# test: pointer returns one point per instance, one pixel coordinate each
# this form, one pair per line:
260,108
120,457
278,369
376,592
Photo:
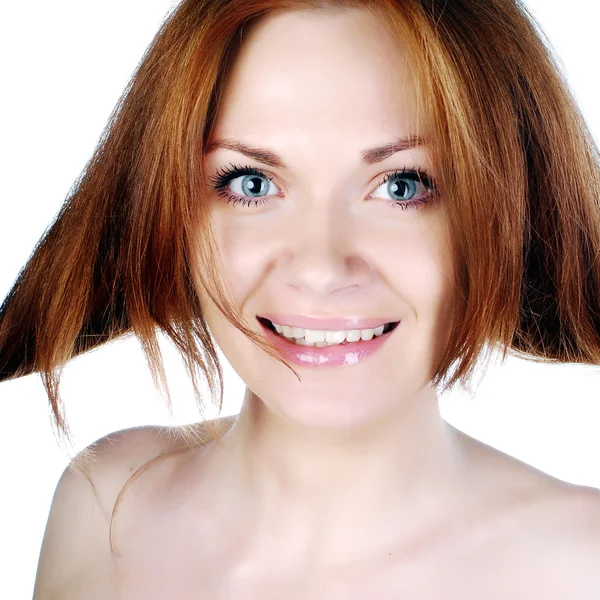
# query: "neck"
333,495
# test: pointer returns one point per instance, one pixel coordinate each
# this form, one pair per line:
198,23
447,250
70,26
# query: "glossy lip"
329,324
331,356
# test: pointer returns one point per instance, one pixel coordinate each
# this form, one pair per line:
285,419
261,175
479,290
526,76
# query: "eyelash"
227,174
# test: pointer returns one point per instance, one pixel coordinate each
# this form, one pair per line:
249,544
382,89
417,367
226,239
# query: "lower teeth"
301,342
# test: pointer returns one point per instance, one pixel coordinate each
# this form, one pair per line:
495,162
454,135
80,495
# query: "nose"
323,255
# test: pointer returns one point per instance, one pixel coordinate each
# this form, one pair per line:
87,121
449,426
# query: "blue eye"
252,181
407,188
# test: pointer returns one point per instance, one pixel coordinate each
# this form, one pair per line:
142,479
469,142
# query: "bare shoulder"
113,459
545,529
558,538
571,519
75,557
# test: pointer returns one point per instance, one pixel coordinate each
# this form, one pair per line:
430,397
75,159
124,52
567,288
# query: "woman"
351,200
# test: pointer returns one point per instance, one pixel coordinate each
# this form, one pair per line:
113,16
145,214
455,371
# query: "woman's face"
316,231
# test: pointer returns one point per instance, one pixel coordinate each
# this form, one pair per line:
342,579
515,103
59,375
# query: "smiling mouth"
324,338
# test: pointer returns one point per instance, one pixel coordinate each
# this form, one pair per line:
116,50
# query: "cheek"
412,256
242,253
416,263
418,266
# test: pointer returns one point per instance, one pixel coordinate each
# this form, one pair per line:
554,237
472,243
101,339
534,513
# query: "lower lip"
330,356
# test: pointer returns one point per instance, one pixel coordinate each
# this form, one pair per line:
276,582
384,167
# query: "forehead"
318,75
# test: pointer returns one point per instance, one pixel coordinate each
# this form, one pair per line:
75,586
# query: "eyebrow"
268,157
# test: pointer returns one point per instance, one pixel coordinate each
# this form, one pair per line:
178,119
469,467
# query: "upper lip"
327,323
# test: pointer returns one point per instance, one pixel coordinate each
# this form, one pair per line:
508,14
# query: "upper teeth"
312,336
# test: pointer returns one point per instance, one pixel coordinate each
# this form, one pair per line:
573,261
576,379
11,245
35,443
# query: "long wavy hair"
517,166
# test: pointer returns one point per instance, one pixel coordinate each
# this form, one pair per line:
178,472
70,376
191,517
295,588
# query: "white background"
63,66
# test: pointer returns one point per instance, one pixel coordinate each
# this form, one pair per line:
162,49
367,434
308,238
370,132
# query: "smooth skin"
347,484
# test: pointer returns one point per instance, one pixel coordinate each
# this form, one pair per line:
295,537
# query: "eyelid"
229,172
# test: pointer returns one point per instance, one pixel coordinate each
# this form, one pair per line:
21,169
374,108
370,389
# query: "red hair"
517,166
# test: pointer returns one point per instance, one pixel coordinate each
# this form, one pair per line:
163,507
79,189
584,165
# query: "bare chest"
499,573
528,553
